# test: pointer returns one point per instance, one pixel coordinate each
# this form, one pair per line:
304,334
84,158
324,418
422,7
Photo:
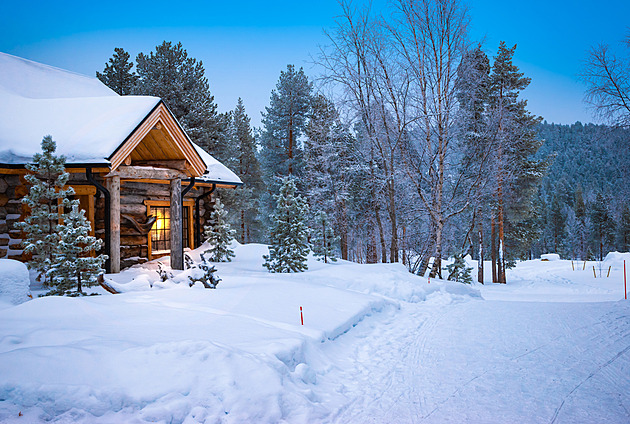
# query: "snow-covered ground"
377,345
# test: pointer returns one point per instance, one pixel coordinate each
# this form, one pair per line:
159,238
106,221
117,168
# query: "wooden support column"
177,251
113,186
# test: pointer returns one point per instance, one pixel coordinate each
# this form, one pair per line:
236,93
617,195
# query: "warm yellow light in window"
160,223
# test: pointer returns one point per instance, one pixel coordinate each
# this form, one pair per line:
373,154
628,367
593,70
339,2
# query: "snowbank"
550,257
14,283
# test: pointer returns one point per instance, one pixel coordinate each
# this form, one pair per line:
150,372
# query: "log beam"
177,251
113,186
146,173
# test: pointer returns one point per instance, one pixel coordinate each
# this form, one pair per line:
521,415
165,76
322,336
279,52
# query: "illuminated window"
161,231
160,234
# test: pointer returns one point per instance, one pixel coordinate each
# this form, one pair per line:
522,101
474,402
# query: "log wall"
133,246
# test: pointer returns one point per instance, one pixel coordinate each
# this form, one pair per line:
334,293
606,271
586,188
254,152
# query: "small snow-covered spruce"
163,272
73,267
219,235
289,236
458,271
204,274
45,198
324,239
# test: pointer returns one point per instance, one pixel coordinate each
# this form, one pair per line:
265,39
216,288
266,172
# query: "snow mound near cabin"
14,282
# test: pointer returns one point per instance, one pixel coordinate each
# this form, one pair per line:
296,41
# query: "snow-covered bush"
219,235
163,272
204,273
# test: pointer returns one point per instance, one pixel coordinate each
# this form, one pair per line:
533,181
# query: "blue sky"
245,45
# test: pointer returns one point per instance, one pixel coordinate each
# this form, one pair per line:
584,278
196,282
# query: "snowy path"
544,363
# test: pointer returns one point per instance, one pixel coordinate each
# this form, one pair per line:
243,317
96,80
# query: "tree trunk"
493,250
343,231
480,259
371,255
381,236
501,261
113,186
243,226
436,269
177,251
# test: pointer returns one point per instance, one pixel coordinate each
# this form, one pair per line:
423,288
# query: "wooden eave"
158,137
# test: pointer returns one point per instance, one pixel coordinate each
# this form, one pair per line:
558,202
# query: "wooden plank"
83,190
153,146
113,185
179,164
177,251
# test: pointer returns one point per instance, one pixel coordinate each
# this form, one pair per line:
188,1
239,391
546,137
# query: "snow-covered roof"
87,120
216,172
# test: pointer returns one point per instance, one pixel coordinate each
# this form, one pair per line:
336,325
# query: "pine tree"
45,198
180,81
73,267
516,170
117,74
324,240
219,235
284,122
289,236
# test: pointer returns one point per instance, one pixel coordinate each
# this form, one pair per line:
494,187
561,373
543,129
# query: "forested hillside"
584,196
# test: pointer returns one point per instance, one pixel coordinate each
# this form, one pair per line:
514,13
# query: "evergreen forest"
413,142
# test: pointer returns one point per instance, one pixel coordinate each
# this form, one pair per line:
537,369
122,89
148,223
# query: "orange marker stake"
625,290
301,316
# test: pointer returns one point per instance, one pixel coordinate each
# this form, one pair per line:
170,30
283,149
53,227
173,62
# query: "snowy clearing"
377,345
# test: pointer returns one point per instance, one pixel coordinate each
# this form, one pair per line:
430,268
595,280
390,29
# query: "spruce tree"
284,122
289,236
180,81
73,267
117,74
219,235
324,241
46,196
458,271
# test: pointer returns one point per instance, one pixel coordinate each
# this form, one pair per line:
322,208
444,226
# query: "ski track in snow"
571,365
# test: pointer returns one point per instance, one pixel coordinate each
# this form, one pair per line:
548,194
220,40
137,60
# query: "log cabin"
145,186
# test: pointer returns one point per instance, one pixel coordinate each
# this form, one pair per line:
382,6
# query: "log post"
113,186
177,251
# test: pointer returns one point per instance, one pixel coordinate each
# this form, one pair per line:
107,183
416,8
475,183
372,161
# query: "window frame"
187,208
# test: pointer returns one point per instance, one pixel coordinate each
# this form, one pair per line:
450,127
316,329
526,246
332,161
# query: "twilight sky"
244,45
